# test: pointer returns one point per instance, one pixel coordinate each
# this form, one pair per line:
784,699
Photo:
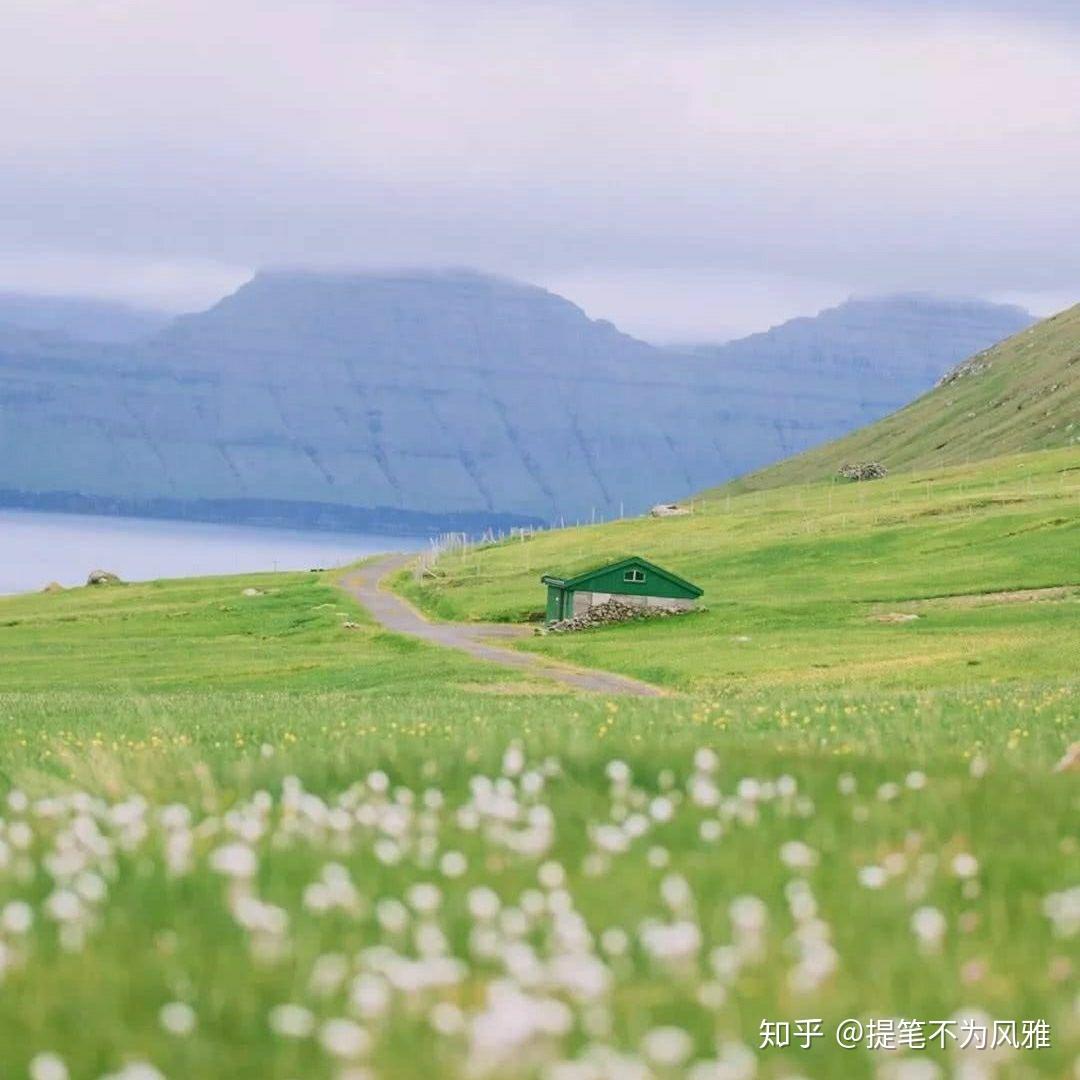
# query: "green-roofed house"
634,580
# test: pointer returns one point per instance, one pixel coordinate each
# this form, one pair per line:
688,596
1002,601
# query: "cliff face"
453,397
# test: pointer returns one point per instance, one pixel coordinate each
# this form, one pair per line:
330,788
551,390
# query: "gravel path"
393,612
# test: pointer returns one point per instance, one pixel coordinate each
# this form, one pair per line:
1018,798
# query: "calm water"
38,548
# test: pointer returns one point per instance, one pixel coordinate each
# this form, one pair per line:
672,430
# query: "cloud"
805,151
180,285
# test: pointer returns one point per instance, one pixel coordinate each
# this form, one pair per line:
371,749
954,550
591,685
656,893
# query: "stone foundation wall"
585,600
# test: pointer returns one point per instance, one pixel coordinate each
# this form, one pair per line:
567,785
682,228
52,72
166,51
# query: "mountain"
426,400
1022,394
813,379
100,321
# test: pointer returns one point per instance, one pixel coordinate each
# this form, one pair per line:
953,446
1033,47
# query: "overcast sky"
688,169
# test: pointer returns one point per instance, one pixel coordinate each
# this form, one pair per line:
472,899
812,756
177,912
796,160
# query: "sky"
691,170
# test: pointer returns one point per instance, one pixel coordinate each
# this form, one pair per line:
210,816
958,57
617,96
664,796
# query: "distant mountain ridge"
421,400
817,377
83,319
1021,395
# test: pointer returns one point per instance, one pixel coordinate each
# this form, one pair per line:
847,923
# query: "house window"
635,576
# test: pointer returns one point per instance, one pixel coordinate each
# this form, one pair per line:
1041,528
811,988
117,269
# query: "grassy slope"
204,634
1021,395
795,577
191,695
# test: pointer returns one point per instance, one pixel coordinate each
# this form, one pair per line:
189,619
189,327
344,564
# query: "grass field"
242,840
800,583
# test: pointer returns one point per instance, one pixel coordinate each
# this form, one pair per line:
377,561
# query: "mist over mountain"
425,400
102,321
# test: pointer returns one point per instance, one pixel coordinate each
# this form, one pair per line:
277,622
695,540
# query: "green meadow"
809,586
246,833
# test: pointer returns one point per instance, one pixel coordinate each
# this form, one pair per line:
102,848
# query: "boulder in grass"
102,577
53,587
862,470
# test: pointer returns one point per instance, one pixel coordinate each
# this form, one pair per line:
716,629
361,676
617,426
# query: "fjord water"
36,548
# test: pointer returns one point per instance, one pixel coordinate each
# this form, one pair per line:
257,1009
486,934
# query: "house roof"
633,560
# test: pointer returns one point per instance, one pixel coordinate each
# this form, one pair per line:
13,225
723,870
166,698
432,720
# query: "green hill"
1021,395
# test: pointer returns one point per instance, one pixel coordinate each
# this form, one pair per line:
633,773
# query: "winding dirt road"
367,585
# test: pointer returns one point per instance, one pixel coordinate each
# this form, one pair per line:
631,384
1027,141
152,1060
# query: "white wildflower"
20,835
513,760
706,760
91,887
965,865
344,1038
177,1018
174,816
711,995
447,1019
17,917
675,891
551,875
658,857
369,995
618,772
710,830
797,855
483,903
929,926
387,851
667,1047
63,905
291,1021
392,915
48,1066
234,860
614,941
1063,911
453,864
328,974
671,942
424,898
748,914
872,877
